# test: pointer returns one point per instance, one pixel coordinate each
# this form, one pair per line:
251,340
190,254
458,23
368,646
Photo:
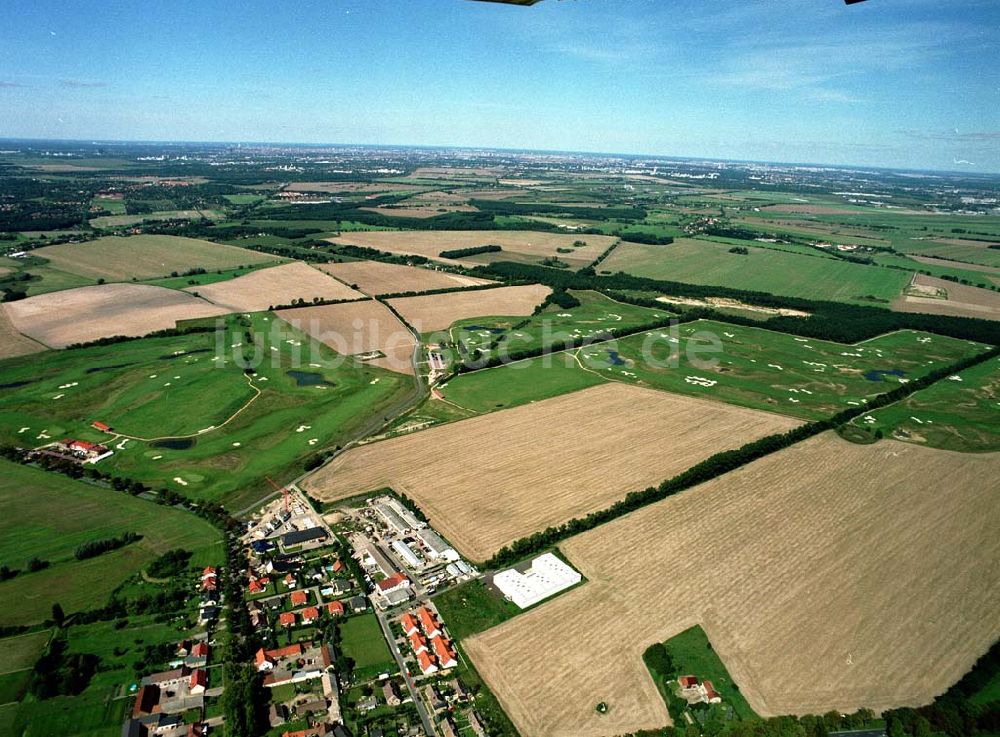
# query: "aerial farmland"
533,448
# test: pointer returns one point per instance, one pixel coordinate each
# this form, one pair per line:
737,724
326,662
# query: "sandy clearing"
376,277
963,301
279,285
439,311
356,328
816,572
58,319
489,480
12,343
146,256
524,244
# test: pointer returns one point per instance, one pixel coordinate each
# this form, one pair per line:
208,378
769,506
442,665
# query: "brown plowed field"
517,245
963,300
439,311
80,315
12,343
376,277
489,480
827,576
279,285
356,328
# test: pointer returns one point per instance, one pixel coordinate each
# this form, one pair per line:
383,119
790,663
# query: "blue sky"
905,83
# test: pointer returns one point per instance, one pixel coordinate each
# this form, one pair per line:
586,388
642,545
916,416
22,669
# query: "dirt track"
828,576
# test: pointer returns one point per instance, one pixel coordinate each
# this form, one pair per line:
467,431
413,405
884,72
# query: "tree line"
718,465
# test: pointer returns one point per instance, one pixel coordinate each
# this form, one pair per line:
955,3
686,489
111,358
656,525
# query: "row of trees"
842,323
471,251
93,548
717,465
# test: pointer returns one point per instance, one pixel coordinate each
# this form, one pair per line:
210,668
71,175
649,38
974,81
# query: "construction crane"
282,489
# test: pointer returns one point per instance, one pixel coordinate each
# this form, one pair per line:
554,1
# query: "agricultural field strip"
795,566
439,311
376,277
103,311
278,285
146,257
519,471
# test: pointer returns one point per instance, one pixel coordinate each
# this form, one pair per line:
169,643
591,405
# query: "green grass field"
962,415
763,270
492,336
146,257
362,641
210,277
755,367
472,608
17,656
100,710
47,515
692,654
166,387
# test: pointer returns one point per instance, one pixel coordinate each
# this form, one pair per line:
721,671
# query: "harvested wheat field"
146,257
517,245
79,315
962,301
376,277
12,343
357,328
827,576
279,285
489,480
439,311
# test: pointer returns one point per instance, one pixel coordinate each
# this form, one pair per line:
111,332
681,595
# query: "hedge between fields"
717,465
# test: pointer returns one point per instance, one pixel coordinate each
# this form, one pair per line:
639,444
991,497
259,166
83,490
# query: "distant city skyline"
909,84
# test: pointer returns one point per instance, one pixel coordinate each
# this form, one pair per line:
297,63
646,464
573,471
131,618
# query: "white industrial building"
406,554
547,576
437,548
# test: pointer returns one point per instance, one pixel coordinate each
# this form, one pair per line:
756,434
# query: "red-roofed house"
299,598
711,695
265,659
395,582
429,622
335,608
290,580
198,682
426,663
257,585
409,623
309,615
147,701
200,650
688,681
445,655
418,643
287,619
98,425
338,566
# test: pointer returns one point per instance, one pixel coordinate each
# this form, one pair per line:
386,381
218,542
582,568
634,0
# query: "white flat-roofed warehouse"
546,576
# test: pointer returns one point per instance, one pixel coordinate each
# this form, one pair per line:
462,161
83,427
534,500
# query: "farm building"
406,554
84,450
546,576
297,537
437,548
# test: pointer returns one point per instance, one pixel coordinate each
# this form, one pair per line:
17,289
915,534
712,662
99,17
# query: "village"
351,643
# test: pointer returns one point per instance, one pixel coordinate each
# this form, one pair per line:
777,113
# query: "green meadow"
763,270
959,413
235,429
46,515
751,367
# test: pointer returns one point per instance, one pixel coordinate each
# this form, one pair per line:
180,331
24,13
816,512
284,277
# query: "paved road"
410,686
